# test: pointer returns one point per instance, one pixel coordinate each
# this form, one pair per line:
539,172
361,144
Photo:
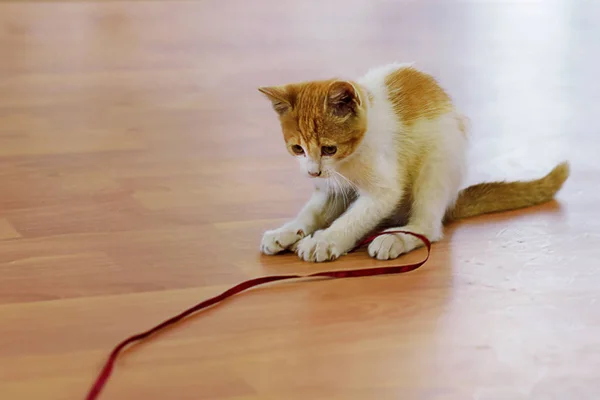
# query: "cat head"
323,122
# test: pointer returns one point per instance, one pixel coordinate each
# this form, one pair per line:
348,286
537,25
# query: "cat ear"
343,98
279,96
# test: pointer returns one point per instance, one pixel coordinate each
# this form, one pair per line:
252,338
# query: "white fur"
386,151
435,188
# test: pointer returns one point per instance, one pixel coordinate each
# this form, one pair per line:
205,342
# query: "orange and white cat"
384,151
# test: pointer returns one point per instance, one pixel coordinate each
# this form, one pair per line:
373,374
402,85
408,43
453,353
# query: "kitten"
385,151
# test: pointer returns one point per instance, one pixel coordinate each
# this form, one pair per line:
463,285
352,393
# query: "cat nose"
314,174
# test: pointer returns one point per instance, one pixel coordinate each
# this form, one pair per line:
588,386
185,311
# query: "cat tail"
493,197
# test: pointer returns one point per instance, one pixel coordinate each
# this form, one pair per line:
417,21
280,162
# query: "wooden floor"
139,167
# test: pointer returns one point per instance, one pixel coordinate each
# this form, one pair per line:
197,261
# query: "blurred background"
139,167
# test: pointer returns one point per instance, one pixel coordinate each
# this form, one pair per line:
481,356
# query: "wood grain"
139,167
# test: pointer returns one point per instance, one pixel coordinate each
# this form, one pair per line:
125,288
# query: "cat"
387,150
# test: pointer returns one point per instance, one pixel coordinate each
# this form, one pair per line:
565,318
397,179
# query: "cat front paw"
278,240
319,247
388,247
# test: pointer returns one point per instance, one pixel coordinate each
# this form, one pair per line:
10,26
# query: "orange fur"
491,197
416,95
307,120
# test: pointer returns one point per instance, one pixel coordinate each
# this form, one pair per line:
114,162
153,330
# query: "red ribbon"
354,273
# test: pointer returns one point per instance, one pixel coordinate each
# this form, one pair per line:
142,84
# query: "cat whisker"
342,189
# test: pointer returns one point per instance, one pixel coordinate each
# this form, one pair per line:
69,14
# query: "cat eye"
297,149
328,150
